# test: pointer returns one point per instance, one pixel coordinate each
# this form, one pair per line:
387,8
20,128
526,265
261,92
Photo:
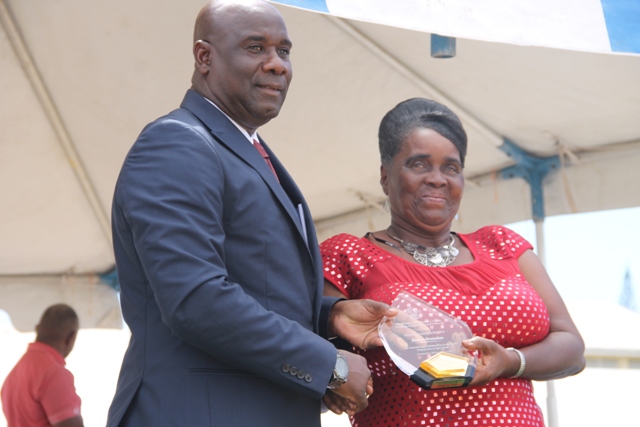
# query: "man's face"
250,70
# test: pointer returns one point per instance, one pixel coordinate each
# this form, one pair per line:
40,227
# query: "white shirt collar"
240,128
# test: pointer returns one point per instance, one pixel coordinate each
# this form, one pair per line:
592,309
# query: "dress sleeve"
501,242
337,253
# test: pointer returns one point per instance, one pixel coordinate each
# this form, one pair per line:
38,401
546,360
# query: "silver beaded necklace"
431,257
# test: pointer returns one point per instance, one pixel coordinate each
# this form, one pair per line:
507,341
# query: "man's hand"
357,321
403,332
352,396
339,404
70,422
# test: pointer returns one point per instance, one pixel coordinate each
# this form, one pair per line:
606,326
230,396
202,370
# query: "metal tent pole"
534,169
55,118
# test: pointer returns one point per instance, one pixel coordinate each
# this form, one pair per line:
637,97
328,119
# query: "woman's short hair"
418,113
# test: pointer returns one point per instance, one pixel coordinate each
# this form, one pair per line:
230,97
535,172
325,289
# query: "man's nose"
276,64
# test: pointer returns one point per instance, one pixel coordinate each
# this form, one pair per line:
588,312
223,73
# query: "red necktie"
265,156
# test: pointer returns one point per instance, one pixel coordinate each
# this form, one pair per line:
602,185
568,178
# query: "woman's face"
424,183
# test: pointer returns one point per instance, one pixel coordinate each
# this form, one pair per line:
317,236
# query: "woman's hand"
493,360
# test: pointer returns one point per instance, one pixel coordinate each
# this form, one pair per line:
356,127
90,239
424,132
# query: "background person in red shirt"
39,391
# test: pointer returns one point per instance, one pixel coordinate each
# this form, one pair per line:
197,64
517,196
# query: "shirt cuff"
325,310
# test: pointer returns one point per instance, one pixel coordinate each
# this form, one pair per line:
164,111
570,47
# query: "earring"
386,205
455,218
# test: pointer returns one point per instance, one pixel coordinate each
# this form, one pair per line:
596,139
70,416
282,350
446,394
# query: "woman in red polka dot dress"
491,279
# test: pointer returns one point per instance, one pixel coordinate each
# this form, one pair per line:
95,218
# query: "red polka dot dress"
490,294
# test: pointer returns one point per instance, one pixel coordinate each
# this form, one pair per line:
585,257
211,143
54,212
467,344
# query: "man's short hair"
57,321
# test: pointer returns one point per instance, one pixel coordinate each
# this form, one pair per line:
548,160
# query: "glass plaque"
426,344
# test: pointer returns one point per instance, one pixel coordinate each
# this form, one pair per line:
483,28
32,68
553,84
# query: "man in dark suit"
217,255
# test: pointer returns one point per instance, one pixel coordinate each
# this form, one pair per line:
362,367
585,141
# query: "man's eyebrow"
257,38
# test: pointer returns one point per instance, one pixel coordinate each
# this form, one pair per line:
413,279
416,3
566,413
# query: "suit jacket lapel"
227,134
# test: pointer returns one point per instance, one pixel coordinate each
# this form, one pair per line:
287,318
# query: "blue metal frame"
533,169
110,278
443,47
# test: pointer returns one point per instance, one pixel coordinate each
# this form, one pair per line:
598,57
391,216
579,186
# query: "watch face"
342,368
340,373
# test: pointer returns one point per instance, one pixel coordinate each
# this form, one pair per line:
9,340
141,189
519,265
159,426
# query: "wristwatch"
340,373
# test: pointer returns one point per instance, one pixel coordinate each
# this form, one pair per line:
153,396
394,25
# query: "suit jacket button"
293,370
301,374
308,378
286,367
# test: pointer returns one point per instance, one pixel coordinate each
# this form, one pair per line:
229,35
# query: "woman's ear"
383,179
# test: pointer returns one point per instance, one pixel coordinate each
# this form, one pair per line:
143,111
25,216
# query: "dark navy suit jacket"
221,291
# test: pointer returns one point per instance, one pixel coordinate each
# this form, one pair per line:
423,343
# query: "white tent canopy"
79,80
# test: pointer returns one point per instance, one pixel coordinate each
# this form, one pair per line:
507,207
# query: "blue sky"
588,254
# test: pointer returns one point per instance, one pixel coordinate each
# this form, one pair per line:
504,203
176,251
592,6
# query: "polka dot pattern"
490,294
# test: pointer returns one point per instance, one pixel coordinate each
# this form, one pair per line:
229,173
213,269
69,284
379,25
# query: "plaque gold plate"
444,365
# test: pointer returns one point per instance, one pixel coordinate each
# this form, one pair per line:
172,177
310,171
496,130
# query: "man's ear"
202,56
384,177
70,339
